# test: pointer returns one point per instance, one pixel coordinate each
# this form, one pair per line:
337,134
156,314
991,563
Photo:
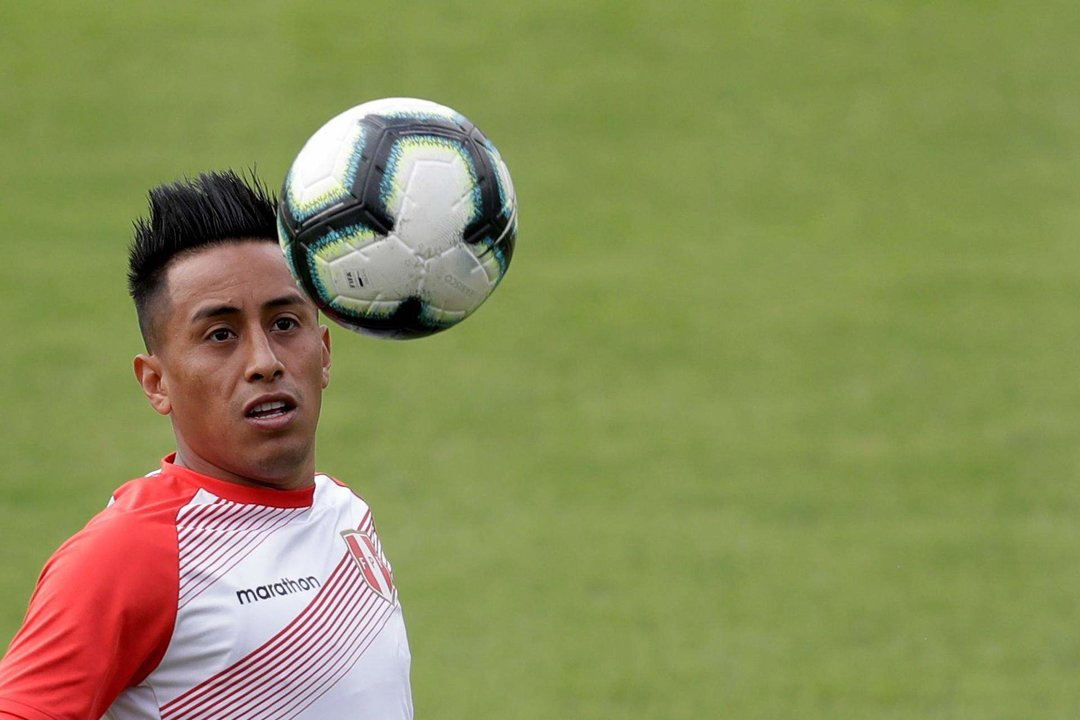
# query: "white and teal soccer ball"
398,218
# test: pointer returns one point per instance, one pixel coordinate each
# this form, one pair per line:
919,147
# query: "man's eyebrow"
211,312
214,311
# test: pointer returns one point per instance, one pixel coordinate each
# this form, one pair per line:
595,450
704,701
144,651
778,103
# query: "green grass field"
777,414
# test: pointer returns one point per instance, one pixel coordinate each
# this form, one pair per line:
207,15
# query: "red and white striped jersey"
192,598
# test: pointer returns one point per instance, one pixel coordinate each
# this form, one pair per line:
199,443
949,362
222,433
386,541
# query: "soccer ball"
398,218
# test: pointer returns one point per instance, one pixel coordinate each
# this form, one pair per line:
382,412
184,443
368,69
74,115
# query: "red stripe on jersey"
347,637
214,541
302,661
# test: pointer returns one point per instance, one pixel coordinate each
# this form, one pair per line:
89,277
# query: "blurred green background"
776,414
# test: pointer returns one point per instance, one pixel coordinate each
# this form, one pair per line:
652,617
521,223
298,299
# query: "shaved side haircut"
212,209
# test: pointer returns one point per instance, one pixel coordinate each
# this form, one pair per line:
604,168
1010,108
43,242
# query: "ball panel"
438,319
409,319
433,174
313,259
434,195
494,263
325,170
507,198
285,240
408,108
456,281
386,269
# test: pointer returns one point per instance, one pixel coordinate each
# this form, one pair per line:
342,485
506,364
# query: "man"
234,582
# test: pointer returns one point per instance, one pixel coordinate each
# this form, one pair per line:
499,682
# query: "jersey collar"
235,492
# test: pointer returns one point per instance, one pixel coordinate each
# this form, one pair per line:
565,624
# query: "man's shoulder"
151,499
126,554
332,491
138,524
151,490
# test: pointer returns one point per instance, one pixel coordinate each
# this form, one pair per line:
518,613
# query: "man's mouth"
268,410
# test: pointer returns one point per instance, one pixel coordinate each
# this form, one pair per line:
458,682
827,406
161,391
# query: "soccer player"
235,581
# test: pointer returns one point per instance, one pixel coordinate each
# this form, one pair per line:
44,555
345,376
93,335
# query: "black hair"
212,209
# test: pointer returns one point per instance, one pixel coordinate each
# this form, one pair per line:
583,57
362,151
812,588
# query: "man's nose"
263,362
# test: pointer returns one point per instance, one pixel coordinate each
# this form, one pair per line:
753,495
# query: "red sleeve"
99,621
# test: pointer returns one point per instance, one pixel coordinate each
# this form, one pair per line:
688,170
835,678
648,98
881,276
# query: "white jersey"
198,599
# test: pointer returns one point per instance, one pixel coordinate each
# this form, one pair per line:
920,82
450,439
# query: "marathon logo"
284,586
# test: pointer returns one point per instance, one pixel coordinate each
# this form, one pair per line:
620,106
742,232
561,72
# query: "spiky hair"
213,208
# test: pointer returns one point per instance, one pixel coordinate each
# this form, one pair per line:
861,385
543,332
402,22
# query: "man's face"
239,365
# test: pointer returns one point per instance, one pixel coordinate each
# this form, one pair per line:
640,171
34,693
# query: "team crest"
375,571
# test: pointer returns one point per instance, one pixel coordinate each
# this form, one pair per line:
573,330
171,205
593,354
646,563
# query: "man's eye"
285,324
220,335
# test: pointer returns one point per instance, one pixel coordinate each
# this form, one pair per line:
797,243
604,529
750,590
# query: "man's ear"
148,373
325,355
